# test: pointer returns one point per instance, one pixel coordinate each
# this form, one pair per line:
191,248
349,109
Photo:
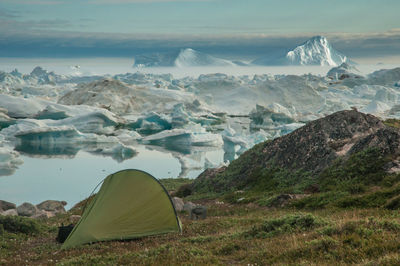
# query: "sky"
363,28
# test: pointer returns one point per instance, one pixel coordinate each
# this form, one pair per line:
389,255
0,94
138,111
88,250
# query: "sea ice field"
66,124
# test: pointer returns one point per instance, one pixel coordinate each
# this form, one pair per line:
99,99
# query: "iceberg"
183,139
184,58
192,58
344,71
315,51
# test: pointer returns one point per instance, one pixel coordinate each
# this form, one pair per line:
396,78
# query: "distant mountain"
184,58
315,51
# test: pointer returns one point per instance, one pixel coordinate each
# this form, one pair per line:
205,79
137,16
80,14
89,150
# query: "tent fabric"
130,204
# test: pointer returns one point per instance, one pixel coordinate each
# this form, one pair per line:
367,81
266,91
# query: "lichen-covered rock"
27,209
74,219
5,205
189,206
10,212
41,214
178,203
52,206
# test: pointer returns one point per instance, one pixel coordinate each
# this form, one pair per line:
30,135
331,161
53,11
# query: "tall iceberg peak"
315,51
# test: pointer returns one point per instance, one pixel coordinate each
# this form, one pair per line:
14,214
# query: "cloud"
8,14
45,38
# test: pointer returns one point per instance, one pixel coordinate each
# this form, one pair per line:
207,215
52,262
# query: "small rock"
178,203
10,212
188,206
52,206
74,219
5,205
199,212
282,200
27,209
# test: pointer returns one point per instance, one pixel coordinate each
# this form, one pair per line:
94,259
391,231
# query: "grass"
232,234
172,184
358,181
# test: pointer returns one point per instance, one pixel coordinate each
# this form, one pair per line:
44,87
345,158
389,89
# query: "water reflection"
70,173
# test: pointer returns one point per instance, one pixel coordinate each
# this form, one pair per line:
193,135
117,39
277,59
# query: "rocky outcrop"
44,210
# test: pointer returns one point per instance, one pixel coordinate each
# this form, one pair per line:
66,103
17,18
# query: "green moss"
392,123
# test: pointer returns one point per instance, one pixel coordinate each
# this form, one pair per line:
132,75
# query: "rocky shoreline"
45,209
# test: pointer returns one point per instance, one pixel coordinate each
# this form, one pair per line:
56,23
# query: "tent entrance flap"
130,204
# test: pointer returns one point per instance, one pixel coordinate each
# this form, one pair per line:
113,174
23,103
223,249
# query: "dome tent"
130,204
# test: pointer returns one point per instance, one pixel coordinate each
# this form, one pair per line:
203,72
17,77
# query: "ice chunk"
99,122
118,152
49,141
183,139
376,107
267,117
384,76
151,123
344,71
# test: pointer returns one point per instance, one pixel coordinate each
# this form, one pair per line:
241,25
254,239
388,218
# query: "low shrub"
17,224
286,224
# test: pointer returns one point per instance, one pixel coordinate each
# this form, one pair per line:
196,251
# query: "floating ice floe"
178,139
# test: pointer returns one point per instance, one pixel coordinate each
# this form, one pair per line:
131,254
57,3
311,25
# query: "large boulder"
5,205
52,206
178,203
27,209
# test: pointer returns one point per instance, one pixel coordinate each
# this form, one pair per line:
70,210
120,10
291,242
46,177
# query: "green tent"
129,204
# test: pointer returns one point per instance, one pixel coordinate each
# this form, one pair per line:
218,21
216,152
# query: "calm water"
73,179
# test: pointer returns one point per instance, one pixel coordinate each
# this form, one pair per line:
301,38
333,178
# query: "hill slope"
309,153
